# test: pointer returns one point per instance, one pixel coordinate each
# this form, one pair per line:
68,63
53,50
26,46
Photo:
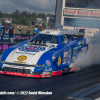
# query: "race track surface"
61,87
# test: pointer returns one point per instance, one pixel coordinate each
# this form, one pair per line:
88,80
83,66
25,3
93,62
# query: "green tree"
33,15
50,15
41,15
24,13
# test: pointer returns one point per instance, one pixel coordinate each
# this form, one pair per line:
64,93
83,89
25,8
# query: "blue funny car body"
49,53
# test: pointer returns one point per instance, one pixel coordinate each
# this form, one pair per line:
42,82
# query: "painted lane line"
98,98
81,94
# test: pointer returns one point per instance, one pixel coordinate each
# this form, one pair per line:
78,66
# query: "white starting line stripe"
98,98
81,94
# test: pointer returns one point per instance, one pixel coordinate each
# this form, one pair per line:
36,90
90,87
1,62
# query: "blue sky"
38,6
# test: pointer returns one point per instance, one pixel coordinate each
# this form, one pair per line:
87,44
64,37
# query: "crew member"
36,30
11,31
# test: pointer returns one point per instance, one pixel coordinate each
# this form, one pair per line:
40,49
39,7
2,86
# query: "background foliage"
24,17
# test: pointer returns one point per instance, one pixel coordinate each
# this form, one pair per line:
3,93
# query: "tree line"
24,17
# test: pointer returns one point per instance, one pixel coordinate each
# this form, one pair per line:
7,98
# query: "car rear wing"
78,35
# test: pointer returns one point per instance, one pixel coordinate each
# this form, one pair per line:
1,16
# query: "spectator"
1,31
28,30
3,27
19,29
36,30
11,31
33,22
7,27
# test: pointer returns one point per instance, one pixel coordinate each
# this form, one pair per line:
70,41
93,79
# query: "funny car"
49,53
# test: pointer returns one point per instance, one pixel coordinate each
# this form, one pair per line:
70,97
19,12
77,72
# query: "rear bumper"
25,74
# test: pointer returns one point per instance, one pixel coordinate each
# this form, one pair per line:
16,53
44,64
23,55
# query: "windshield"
44,38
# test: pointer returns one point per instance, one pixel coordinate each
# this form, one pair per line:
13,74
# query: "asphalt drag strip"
73,86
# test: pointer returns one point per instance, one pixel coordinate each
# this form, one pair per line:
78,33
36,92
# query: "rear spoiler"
80,34
74,36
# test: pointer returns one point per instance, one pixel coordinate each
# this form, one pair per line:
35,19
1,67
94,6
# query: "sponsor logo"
69,56
22,58
48,75
43,75
79,43
46,67
31,48
79,12
75,52
82,42
46,70
50,69
59,60
64,61
19,62
53,57
95,13
65,54
68,11
25,53
48,63
86,12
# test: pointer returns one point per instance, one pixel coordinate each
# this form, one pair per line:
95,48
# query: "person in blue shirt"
36,30
1,31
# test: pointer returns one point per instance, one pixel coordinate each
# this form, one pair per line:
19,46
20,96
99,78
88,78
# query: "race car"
49,53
